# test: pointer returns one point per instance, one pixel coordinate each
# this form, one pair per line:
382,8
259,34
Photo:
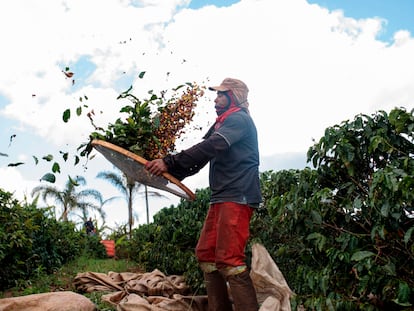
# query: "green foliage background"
32,242
168,243
340,232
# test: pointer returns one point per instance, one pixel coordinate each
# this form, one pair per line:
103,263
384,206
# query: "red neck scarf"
232,109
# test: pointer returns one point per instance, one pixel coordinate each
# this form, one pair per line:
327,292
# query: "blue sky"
308,65
197,4
398,13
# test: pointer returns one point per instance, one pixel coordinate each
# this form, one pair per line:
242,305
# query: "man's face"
221,103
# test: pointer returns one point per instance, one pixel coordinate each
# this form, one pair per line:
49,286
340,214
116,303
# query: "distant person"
90,228
231,148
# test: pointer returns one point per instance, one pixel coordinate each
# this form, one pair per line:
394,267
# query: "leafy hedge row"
168,243
342,233
33,243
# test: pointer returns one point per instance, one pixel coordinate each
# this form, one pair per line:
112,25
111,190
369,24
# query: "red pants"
224,235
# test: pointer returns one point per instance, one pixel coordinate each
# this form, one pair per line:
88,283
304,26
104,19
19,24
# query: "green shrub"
342,233
93,247
32,242
168,243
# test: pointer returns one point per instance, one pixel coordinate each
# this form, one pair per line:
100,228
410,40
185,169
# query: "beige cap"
239,89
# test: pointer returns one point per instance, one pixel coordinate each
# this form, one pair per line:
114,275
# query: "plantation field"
62,279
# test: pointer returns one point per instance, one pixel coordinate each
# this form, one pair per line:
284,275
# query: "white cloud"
307,68
16,183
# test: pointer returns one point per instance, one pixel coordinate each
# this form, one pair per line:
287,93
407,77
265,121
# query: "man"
231,148
90,228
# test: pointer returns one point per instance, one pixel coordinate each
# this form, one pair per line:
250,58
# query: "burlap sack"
56,301
273,292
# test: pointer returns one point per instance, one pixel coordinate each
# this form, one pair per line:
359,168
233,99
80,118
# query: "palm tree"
70,199
129,188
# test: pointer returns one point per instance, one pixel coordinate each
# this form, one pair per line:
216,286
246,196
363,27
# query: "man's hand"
156,167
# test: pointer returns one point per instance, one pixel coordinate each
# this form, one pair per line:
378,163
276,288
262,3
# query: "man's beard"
221,110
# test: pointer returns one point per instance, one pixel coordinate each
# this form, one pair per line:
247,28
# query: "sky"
308,64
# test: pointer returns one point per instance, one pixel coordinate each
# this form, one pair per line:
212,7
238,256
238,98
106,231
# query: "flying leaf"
73,181
49,177
79,111
4,154
66,115
178,87
141,74
64,155
48,158
35,159
11,139
15,164
56,168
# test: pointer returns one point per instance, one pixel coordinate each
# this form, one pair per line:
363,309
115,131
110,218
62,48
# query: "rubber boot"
243,292
218,298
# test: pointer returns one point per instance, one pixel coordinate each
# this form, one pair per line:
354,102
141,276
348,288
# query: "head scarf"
233,107
238,88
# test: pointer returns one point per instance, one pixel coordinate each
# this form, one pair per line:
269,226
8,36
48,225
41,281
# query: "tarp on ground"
157,291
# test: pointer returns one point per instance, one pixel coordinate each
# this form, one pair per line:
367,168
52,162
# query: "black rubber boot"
218,298
243,292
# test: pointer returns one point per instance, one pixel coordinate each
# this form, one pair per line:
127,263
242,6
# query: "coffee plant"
341,233
34,243
151,126
168,243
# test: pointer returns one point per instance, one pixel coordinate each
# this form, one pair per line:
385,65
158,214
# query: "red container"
110,247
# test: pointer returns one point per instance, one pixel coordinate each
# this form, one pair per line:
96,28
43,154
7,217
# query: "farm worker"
231,147
90,228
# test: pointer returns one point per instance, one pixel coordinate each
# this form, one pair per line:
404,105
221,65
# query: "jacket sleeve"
190,161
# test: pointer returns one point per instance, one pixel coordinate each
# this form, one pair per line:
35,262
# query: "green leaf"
141,74
66,115
360,255
15,164
36,160
178,87
56,168
319,240
73,181
407,235
390,269
385,209
156,122
64,155
378,230
79,111
49,177
48,158
404,292
316,217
